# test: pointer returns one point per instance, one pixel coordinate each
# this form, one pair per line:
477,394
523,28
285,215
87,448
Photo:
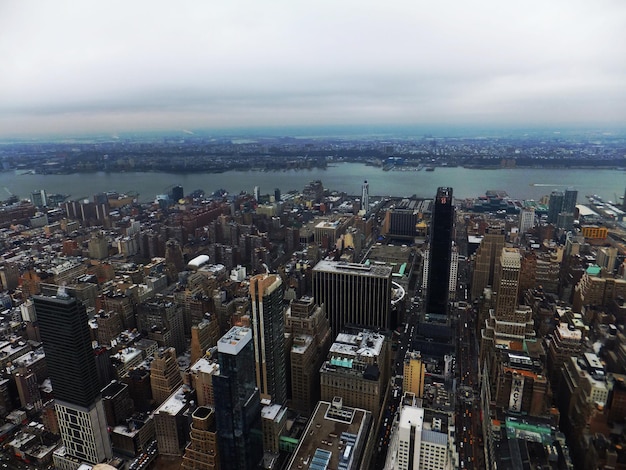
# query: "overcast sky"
109,66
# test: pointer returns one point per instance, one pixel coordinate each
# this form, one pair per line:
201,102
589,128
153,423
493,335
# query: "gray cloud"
110,66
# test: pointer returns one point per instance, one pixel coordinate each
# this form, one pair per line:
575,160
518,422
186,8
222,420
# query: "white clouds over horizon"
70,67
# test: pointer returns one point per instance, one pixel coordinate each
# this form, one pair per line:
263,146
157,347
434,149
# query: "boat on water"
430,168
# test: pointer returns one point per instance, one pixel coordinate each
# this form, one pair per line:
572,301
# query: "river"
518,183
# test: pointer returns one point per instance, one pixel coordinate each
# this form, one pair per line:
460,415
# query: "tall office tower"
257,193
237,401
307,324
268,325
526,219
365,196
72,369
414,374
507,281
441,232
488,252
555,205
202,452
165,375
353,294
177,193
569,201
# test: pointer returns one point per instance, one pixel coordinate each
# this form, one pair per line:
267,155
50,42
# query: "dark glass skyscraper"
237,401
569,201
555,206
71,365
440,252
67,344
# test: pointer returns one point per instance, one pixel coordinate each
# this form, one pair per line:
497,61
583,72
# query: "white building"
527,219
429,444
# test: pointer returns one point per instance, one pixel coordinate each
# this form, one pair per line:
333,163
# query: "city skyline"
117,67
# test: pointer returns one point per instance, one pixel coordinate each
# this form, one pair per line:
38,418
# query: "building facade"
71,365
268,325
353,293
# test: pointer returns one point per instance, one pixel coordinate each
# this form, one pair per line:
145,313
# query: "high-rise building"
268,325
365,196
507,282
72,369
177,193
414,374
307,324
569,201
419,446
441,235
488,252
357,369
555,205
440,247
526,219
237,401
509,322
39,198
353,293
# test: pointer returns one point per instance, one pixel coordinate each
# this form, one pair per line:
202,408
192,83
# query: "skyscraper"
237,401
268,324
527,219
365,196
72,369
555,205
569,201
353,293
440,252
484,266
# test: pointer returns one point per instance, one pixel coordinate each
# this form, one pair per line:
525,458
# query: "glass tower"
440,252
237,401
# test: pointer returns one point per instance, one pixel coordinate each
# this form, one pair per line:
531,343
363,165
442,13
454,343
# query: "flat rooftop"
338,434
342,267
